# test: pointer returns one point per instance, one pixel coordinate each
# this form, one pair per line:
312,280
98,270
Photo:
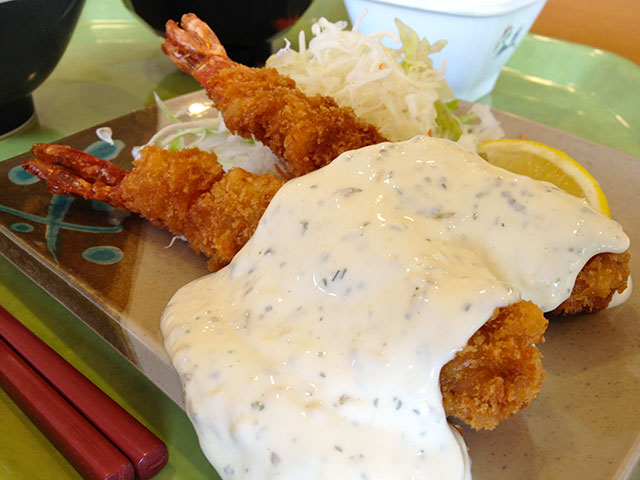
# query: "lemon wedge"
543,162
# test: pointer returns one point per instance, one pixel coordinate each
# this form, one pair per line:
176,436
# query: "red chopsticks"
85,447
74,414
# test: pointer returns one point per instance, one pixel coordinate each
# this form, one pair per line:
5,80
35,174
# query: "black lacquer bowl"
33,36
244,27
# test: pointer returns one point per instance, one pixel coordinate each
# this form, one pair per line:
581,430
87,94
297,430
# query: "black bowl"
33,36
243,27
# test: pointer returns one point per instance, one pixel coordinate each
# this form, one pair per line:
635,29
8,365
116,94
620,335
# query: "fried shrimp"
306,132
499,371
186,192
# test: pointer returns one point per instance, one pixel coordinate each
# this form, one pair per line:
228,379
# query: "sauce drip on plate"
317,352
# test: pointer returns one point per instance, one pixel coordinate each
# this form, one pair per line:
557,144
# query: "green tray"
586,92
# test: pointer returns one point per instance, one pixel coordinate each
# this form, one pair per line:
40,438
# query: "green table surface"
112,67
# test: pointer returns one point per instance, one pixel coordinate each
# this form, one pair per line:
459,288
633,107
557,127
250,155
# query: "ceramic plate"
116,272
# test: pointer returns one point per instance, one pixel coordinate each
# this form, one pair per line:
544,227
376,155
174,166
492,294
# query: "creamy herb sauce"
317,352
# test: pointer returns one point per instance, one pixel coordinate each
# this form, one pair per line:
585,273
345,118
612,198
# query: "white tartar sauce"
317,352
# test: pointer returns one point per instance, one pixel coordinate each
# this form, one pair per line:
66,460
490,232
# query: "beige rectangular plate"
584,424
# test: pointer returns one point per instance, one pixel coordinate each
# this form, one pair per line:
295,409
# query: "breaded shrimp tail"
186,192
305,132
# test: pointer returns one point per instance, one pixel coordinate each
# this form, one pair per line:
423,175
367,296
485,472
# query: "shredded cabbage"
398,90
211,134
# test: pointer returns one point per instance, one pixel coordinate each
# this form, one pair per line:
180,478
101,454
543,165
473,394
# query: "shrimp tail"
194,46
71,172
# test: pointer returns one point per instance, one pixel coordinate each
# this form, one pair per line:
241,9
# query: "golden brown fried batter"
601,277
237,203
188,193
163,185
500,370
307,132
